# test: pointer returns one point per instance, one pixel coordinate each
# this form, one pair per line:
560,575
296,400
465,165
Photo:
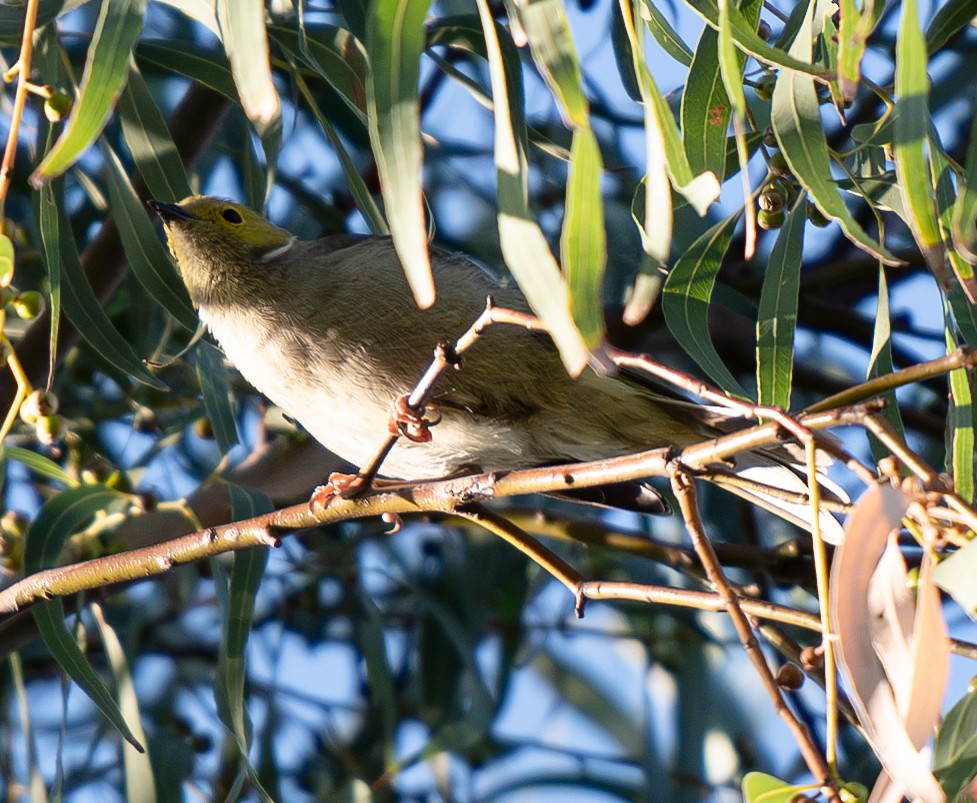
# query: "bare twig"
684,490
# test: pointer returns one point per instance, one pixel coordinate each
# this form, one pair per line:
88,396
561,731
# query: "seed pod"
56,107
39,403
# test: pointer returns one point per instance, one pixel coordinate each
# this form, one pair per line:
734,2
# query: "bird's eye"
231,215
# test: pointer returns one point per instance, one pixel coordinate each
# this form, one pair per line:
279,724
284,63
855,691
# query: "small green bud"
816,216
769,138
37,404
770,220
49,429
28,305
777,164
853,792
56,107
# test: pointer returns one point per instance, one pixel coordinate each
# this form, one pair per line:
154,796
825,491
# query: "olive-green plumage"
328,330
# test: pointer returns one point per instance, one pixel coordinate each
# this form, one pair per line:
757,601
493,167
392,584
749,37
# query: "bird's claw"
405,420
338,485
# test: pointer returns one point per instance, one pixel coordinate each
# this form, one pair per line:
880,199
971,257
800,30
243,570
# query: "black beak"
169,212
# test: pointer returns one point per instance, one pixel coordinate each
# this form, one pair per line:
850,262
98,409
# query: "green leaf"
395,39
955,746
700,190
777,316
686,295
140,785
12,17
880,363
912,122
148,139
60,518
524,247
48,218
336,56
217,395
145,253
795,116
188,61
242,26
6,260
116,32
85,312
960,433
39,464
583,245
665,34
952,17
236,606
758,787
744,36
551,44
854,29
706,109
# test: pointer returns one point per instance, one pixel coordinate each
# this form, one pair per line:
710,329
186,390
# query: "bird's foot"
338,485
406,421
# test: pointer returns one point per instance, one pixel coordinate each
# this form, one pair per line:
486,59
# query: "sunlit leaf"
583,246
524,247
912,121
242,26
106,67
664,33
795,116
395,40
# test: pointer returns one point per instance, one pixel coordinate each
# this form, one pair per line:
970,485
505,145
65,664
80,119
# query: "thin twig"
684,490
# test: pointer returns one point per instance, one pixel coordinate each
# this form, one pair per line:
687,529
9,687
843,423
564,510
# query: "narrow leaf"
548,30
395,39
665,34
746,39
706,109
777,318
686,296
37,463
85,312
145,253
116,31
139,782
48,218
60,518
912,121
149,141
796,121
242,25
524,247
952,17
217,396
583,245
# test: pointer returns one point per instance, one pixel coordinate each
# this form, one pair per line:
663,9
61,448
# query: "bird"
328,331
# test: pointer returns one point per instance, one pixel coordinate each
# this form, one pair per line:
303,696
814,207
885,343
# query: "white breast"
337,401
